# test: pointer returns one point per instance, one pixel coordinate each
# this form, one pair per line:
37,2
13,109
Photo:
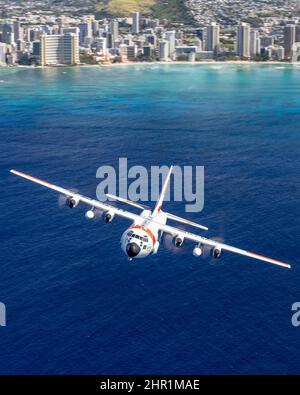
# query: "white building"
212,37
101,45
170,37
163,50
114,28
198,44
3,49
254,42
243,40
135,22
59,49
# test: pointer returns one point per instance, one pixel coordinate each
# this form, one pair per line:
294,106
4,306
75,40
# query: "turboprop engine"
178,241
72,201
108,216
216,252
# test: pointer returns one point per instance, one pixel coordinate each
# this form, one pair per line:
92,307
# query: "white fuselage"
142,238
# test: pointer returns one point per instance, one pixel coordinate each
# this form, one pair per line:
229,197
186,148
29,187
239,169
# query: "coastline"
158,63
203,63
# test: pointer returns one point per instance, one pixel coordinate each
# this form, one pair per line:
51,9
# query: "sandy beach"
213,62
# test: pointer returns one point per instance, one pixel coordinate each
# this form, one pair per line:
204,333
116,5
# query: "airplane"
144,235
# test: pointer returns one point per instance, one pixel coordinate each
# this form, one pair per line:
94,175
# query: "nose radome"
132,250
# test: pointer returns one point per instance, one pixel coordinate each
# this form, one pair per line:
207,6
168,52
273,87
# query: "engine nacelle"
197,251
216,252
108,216
178,241
72,201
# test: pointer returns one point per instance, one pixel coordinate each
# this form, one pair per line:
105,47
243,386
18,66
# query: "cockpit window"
142,238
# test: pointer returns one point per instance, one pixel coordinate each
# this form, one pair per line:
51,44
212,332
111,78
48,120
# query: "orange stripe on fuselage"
148,231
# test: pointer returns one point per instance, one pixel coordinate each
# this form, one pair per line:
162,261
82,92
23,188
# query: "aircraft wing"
91,202
212,243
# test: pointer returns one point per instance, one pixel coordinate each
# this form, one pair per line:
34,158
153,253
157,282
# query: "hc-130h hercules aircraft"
143,237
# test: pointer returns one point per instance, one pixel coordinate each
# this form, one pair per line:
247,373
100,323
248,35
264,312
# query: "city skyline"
67,40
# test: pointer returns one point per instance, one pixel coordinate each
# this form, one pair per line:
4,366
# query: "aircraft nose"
132,250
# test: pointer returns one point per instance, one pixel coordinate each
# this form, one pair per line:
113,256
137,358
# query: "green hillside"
124,7
173,10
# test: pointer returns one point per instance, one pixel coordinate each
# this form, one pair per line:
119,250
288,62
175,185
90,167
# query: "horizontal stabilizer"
184,221
123,200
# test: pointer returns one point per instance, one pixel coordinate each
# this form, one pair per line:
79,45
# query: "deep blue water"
74,303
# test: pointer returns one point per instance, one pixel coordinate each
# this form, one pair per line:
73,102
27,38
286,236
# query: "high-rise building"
36,49
297,33
85,32
18,30
123,51
3,51
278,53
212,37
109,40
267,41
147,51
151,39
20,45
59,49
198,43
254,42
135,22
170,37
163,50
289,40
101,44
34,34
95,27
8,36
243,40
114,28
131,52
128,40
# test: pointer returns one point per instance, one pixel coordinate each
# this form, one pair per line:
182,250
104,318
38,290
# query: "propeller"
62,199
212,260
168,243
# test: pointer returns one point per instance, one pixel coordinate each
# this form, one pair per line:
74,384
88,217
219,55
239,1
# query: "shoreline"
213,63
157,63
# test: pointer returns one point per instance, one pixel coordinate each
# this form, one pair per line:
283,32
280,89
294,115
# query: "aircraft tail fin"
163,193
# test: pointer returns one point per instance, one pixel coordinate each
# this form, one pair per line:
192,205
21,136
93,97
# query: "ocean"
74,303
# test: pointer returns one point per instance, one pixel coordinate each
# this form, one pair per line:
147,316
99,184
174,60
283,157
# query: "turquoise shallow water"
74,303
